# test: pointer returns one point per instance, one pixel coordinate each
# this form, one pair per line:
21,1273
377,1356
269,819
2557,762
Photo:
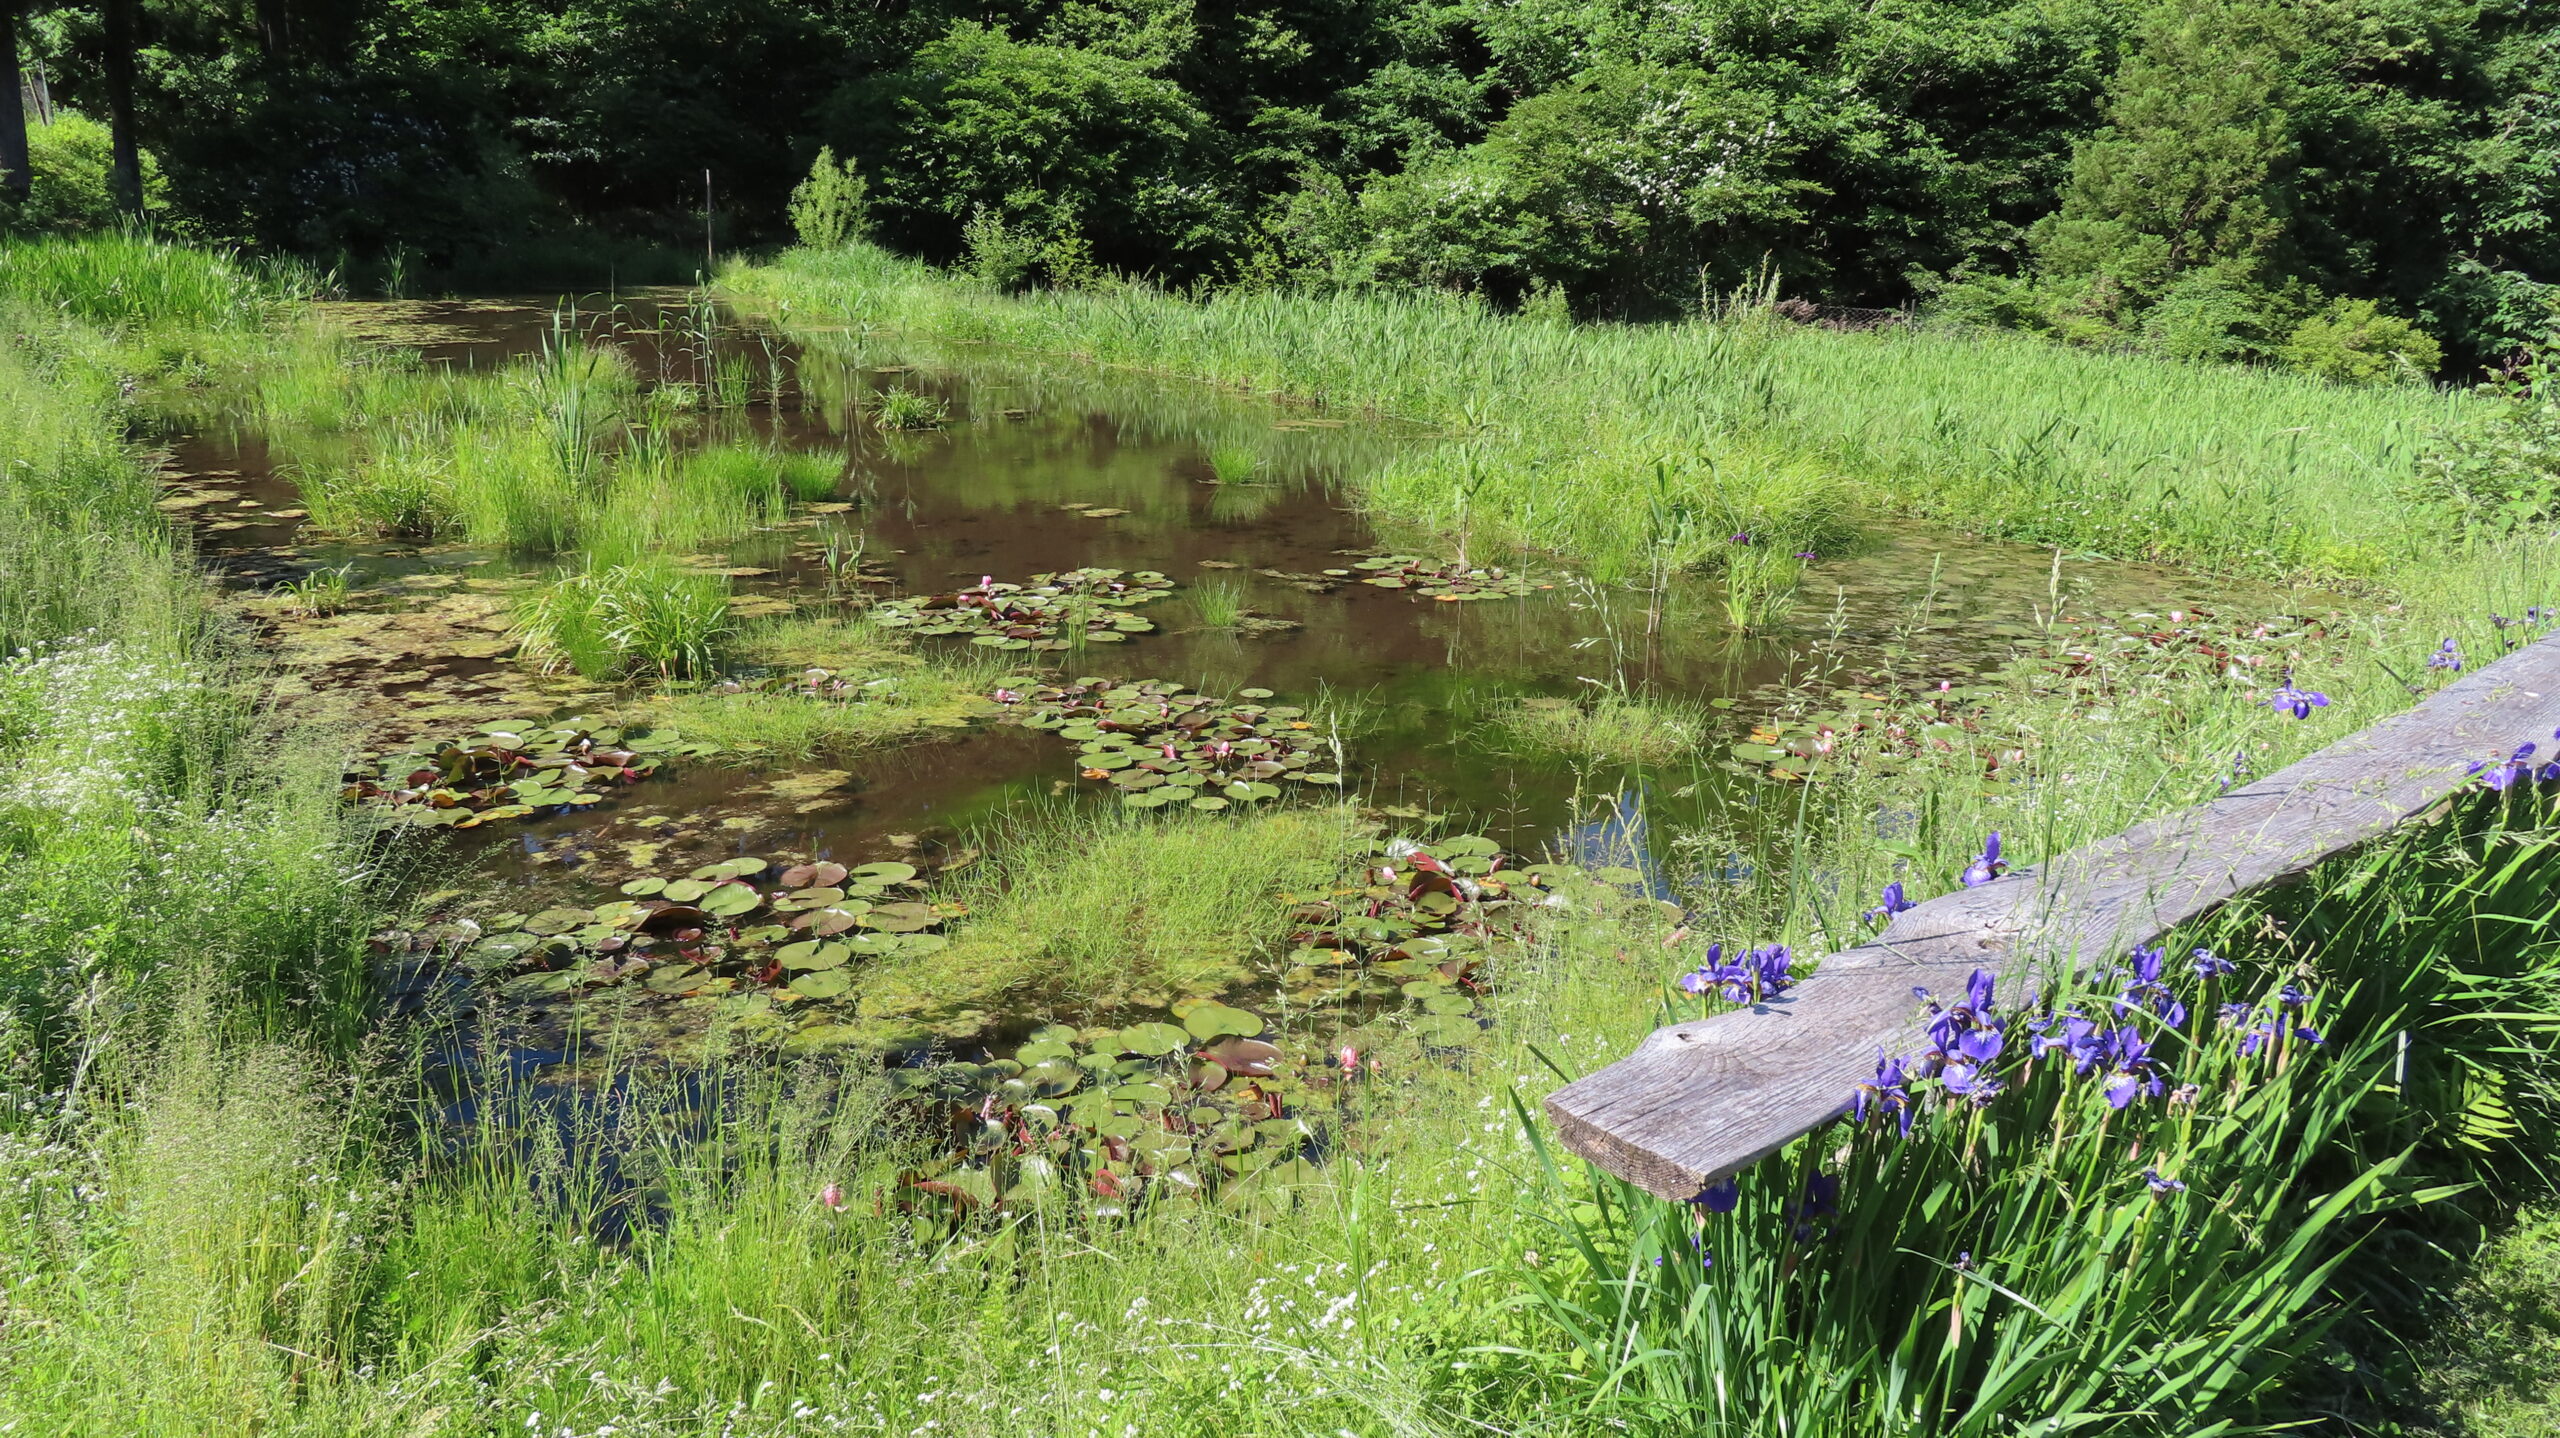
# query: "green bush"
68,193
2353,342
833,206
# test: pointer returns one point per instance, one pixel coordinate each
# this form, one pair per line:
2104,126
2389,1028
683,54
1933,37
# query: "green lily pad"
822,984
1214,1020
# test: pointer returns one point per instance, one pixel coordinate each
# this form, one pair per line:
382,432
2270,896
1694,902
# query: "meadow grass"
1551,432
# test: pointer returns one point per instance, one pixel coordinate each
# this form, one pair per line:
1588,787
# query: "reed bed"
1551,432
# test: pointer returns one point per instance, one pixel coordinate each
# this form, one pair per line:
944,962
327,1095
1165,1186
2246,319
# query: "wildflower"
2185,1095
2145,990
1986,866
1720,1197
2240,771
2448,657
1968,1071
1889,1089
1712,972
1349,1058
2161,1183
2209,965
2082,1043
2517,766
2136,1072
2300,701
1807,554
832,1196
1894,903
1772,970
1743,538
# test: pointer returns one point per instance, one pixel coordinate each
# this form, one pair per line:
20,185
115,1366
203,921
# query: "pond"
1042,466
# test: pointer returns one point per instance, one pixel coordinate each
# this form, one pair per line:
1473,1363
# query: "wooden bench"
1698,1100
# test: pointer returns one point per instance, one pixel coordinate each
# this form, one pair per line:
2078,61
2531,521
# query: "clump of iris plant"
1968,1057
2298,702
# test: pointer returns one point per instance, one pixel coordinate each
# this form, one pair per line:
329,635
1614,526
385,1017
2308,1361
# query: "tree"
124,170
16,179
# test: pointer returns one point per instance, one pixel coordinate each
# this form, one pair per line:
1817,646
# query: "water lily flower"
1986,866
1349,1058
1894,903
1721,1196
2299,701
2449,657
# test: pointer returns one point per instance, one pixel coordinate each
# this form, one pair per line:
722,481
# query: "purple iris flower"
2136,1072
2082,1043
2448,657
1773,968
2517,767
2144,989
1720,1197
2160,1184
2300,701
1890,1089
2292,997
1743,538
2208,965
1894,903
1703,977
1987,867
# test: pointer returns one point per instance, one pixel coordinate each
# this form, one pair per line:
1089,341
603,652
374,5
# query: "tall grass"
1771,428
612,621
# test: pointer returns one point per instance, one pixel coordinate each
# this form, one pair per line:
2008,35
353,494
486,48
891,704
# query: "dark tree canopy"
2205,178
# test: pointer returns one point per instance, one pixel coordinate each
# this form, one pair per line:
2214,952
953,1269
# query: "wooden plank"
1699,1100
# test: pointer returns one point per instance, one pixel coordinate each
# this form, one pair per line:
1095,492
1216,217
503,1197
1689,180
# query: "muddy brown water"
1048,465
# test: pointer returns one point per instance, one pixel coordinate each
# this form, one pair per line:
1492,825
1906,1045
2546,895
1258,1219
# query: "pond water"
1046,465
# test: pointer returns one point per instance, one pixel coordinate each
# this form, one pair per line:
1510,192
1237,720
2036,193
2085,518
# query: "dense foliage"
2362,188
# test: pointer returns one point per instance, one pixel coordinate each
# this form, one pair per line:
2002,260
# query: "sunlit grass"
1780,430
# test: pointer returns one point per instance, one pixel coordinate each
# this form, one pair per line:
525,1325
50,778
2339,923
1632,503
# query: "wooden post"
1697,1101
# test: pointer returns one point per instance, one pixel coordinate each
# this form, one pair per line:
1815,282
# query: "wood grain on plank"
1698,1100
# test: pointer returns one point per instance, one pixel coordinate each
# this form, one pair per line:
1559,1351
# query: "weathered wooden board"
1698,1100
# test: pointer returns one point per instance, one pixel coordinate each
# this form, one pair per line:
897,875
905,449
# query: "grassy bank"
1616,444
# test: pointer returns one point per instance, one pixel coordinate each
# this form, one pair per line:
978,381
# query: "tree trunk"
124,166
18,179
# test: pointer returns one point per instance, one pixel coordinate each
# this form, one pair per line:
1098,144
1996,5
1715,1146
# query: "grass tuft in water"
1616,728
642,617
902,408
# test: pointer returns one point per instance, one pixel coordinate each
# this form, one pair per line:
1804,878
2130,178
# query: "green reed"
1781,428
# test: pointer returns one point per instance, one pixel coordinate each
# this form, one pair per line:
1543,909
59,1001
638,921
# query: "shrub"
67,166
2353,342
832,207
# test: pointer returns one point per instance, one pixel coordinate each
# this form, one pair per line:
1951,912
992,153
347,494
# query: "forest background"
2362,188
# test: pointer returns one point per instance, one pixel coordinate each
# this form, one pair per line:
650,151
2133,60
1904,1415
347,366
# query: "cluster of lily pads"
1049,612
1446,579
1162,744
1198,1108
1419,922
718,929
510,770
